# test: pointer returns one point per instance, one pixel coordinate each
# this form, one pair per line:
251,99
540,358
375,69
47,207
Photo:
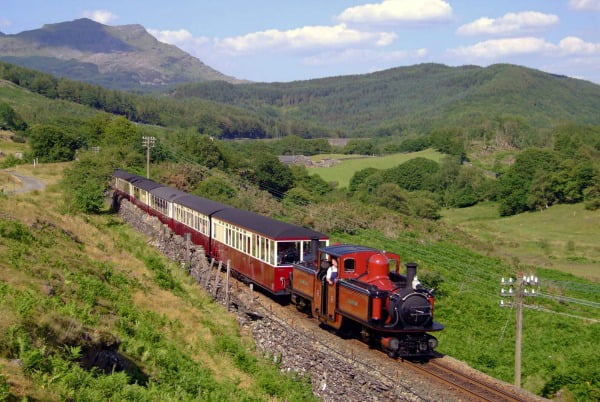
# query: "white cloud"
393,11
182,38
574,45
593,5
362,56
509,24
101,16
492,49
305,38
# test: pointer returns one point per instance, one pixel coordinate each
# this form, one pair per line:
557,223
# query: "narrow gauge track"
467,384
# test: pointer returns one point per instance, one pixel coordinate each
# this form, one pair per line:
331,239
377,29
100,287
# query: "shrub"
85,184
4,388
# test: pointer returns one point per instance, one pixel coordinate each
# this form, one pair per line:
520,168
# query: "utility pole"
148,142
519,289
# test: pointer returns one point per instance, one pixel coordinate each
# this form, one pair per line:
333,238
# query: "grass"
8,182
563,237
7,146
343,172
108,283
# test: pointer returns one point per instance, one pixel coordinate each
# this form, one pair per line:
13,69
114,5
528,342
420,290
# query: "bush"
11,161
4,388
52,144
85,183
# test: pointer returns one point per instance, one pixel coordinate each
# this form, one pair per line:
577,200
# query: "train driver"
332,271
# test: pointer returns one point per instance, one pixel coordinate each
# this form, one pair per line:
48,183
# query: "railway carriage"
192,215
141,189
121,182
161,204
261,249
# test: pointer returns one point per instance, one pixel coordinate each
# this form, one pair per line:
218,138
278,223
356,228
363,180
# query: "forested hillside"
418,99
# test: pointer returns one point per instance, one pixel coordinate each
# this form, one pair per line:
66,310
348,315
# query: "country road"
27,183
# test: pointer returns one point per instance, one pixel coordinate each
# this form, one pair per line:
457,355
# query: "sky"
288,40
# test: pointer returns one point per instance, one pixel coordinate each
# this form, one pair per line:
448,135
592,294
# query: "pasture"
563,237
343,172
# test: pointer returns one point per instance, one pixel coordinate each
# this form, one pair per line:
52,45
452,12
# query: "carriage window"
349,265
288,252
272,252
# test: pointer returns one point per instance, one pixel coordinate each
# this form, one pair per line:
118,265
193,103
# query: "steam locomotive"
370,297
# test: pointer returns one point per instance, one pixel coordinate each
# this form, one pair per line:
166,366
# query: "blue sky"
284,40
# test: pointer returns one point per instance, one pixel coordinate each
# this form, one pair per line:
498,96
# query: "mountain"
118,57
418,98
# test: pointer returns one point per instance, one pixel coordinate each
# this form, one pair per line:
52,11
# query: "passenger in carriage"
287,254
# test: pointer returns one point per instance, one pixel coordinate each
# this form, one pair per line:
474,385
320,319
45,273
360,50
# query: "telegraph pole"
148,142
525,286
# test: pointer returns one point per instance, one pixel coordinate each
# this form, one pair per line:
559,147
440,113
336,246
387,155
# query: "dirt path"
28,184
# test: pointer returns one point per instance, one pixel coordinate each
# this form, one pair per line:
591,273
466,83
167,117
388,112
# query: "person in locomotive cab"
332,271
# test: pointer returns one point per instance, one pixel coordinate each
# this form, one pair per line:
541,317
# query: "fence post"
217,277
208,272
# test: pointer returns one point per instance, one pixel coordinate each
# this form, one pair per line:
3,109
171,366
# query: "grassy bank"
71,285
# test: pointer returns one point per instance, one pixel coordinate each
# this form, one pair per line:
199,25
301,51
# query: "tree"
51,144
360,147
121,132
390,195
216,189
359,177
311,183
9,119
515,184
414,174
271,175
85,183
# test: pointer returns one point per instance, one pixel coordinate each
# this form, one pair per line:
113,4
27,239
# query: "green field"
343,172
563,237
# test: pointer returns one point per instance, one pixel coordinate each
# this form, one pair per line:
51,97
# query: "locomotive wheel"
366,336
301,305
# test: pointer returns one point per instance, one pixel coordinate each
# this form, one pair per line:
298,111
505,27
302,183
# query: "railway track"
458,383
465,383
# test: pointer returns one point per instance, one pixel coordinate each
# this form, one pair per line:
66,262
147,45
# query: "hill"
419,98
119,57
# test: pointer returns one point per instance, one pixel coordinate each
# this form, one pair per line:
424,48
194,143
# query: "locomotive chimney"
314,249
411,272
